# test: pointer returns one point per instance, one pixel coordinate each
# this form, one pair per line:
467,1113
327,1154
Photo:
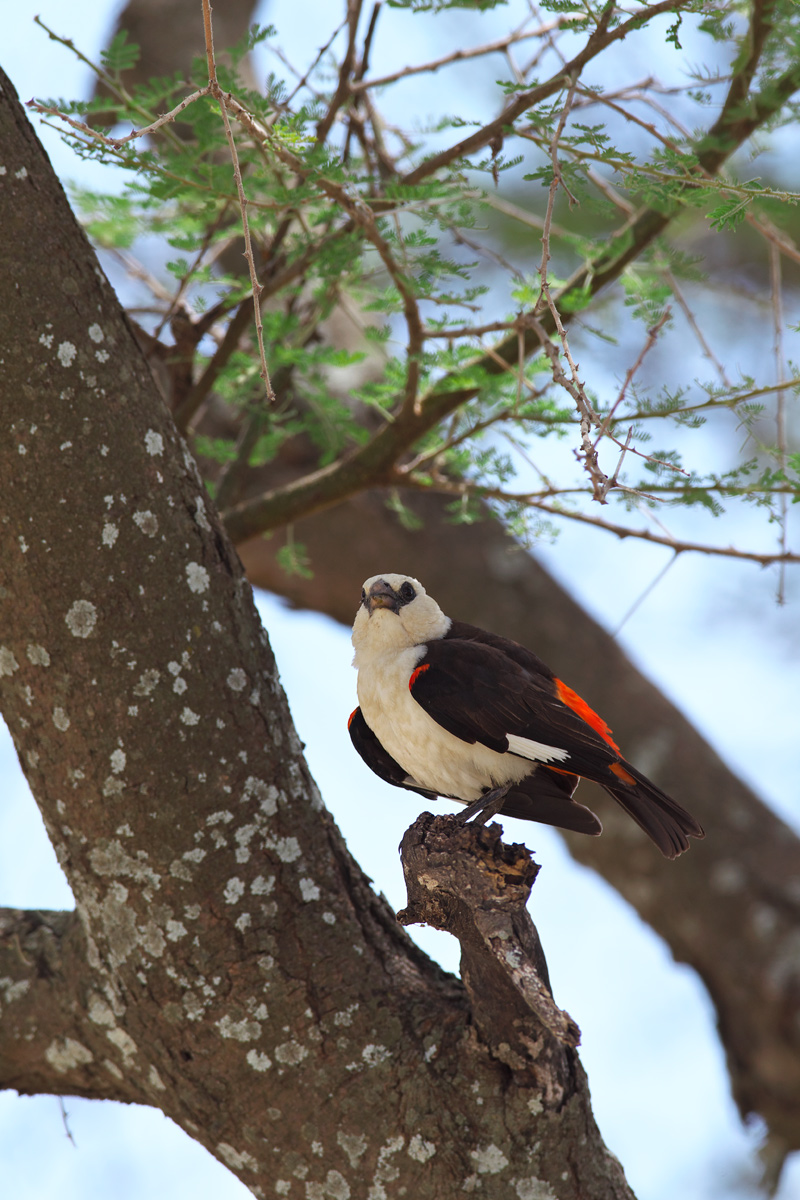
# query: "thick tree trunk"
228,963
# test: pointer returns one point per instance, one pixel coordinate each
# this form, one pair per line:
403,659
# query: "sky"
709,634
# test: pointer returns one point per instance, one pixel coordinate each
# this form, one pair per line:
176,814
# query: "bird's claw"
485,807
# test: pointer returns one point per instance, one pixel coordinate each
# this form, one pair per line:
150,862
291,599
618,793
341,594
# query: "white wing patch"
536,751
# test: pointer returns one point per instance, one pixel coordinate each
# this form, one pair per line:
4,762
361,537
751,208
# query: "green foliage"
646,291
729,213
293,559
120,55
391,291
424,6
407,518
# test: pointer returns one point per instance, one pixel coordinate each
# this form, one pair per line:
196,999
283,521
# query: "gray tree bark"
227,961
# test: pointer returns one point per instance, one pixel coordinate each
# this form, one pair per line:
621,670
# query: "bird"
452,711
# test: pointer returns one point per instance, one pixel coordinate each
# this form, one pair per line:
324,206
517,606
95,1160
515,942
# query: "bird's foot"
485,807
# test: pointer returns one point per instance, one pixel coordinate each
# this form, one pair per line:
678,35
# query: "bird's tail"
661,817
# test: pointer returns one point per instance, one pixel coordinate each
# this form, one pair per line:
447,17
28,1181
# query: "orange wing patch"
579,706
416,673
622,774
350,718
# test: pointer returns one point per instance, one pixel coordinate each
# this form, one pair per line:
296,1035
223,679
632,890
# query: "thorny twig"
112,85
362,217
588,417
223,99
118,142
602,484
780,410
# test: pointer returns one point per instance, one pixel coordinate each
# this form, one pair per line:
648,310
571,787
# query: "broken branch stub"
465,880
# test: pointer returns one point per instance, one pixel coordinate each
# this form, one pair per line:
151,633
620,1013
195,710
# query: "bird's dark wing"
377,759
482,688
478,693
535,667
461,631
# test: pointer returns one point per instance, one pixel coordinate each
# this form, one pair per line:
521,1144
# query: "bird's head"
395,612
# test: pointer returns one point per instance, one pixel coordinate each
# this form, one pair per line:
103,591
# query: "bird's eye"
406,592
363,595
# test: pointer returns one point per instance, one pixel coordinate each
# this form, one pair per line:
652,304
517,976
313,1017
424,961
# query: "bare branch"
519,214
456,56
695,328
652,338
779,237
344,86
599,39
303,80
538,500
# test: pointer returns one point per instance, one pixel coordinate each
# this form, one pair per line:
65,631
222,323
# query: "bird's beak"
381,596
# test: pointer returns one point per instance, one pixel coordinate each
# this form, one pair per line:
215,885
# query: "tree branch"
539,501
598,40
457,56
58,1027
343,87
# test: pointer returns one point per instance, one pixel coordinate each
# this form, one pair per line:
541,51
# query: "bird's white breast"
432,757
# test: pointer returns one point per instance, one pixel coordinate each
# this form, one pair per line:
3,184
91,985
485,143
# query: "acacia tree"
317,207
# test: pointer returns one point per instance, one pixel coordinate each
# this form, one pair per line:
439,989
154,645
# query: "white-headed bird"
447,709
